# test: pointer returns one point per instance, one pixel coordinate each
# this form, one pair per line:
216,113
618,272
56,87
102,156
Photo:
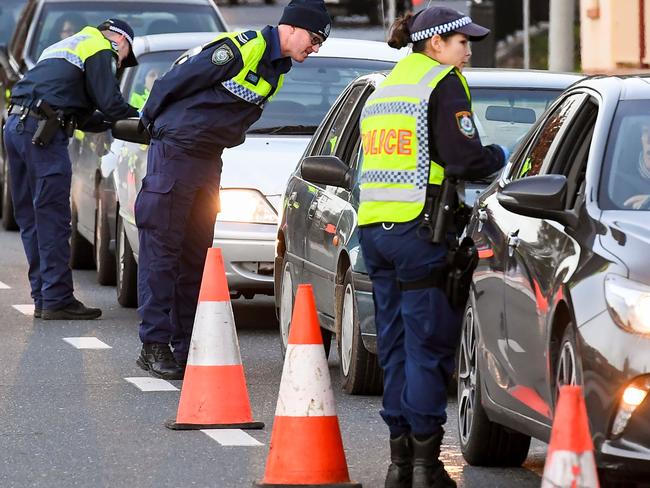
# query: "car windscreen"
625,176
62,19
504,115
309,90
140,78
9,12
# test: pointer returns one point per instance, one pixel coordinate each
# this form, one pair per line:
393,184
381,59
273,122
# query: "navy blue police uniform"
75,76
201,106
417,327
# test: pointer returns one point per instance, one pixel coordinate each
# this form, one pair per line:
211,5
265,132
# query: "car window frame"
535,133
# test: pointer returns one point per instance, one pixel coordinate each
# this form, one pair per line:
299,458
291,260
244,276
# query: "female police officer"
194,111
417,130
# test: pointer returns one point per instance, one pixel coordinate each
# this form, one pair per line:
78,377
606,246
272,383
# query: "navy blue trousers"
175,212
417,330
40,186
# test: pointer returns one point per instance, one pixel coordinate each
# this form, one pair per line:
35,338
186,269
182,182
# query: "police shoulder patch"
222,55
466,124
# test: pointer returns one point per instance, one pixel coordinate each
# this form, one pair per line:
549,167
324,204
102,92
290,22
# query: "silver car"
254,173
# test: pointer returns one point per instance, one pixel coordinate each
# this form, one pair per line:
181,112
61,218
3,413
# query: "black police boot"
428,470
75,310
400,470
38,313
159,361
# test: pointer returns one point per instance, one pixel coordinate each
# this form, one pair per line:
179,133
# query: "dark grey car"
561,294
317,238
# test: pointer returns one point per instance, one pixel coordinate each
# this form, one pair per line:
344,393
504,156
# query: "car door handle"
482,218
513,242
292,199
312,209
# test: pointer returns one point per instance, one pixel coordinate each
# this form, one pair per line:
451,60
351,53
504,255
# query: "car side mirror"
542,197
131,130
326,170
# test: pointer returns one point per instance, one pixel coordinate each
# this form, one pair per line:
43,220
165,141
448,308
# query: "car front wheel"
81,251
482,442
8,220
104,260
360,370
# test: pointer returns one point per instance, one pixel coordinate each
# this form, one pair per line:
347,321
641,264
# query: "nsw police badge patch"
222,55
466,124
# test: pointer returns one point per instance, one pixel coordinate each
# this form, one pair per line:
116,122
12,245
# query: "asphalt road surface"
76,417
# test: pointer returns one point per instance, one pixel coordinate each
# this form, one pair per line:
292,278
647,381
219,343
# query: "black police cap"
440,20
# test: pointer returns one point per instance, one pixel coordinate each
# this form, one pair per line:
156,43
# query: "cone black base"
173,425
350,484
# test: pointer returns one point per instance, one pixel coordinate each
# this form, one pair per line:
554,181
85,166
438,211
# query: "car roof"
180,41
507,78
624,87
337,47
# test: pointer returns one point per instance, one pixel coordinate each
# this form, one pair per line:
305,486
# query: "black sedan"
317,239
562,291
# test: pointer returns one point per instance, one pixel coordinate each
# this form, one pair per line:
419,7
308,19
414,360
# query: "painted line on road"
25,309
86,343
151,384
4,286
232,437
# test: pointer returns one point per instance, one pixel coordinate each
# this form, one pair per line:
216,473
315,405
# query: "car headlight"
245,205
633,396
628,303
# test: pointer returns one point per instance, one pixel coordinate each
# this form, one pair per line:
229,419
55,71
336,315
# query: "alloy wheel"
347,328
566,367
467,368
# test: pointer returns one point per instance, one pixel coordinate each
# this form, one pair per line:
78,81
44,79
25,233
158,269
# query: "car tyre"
285,311
126,269
104,259
81,251
8,220
568,370
360,371
482,442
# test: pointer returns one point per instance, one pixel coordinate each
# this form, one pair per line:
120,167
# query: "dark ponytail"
399,32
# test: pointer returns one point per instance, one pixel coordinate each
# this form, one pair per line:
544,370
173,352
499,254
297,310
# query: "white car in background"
254,173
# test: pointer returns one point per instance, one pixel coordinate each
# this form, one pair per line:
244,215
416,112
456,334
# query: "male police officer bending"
72,79
194,111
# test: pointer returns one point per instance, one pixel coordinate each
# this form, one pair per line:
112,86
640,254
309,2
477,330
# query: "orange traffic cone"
306,445
214,393
570,461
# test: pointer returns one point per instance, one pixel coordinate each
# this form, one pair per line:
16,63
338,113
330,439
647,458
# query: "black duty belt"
20,110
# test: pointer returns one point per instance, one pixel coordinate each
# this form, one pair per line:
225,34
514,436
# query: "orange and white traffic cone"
306,445
214,393
570,461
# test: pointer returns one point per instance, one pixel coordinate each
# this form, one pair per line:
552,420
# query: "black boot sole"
62,315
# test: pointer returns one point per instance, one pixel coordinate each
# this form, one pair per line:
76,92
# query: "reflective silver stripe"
243,92
59,50
392,195
420,90
387,176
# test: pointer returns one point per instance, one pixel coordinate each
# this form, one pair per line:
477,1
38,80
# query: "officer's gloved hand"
95,123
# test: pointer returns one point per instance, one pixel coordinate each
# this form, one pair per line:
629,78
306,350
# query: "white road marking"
25,309
146,383
4,286
232,437
86,343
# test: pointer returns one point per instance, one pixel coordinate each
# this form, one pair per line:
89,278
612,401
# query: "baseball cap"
121,27
439,20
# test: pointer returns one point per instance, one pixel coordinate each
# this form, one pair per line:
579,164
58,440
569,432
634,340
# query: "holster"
48,125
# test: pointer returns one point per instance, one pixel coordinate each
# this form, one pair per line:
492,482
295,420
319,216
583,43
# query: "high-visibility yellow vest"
255,90
138,100
78,48
397,165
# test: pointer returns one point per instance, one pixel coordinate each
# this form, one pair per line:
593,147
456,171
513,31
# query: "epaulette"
244,37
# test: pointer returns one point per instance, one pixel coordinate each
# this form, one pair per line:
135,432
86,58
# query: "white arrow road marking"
86,343
151,384
25,309
232,437
4,286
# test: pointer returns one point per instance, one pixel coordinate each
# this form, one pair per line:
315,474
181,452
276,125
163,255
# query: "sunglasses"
315,39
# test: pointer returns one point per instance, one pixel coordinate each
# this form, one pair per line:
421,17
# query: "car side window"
539,154
331,138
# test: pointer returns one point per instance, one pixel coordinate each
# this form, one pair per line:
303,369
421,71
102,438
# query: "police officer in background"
417,131
193,112
71,80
